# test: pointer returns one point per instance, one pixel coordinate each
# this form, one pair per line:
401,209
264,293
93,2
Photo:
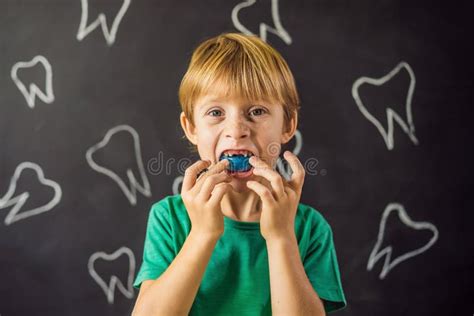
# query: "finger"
297,177
289,191
213,169
219,190
191,172
264,170
210,182
262,191
205,193
200,173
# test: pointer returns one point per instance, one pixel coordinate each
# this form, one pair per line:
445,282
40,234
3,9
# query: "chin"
240,186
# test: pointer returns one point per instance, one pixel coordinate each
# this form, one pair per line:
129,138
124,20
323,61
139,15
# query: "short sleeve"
158,251
322,269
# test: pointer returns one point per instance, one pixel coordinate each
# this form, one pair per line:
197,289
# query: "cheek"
271,148
207,144
209,137
206,134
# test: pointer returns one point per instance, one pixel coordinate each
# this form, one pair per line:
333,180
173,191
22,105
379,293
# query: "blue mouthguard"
237,163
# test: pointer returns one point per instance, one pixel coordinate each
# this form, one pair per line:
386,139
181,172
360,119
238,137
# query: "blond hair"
239,65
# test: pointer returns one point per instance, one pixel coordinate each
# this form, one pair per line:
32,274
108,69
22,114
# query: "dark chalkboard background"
133,81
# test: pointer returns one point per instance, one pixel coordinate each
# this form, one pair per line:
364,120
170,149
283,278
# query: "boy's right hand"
202,196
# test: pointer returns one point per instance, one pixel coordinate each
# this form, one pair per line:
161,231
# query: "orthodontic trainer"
237,163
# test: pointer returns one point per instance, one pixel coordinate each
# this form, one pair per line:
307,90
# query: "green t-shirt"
237,279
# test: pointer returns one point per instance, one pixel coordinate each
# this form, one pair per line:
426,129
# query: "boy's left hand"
279,200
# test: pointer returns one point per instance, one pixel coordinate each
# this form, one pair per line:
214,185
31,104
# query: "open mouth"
238,161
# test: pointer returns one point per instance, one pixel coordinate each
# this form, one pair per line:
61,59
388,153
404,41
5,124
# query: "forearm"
291,290
173,293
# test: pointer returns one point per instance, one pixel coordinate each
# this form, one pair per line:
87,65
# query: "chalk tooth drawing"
135,185
114,282
20,199
408,127
278,30
33,91
176,184
377,254
101,20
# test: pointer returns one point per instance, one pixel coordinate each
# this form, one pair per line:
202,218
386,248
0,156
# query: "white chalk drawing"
101,20
33,91
279,30
377,254
20,199
408,127
176,185
284,170
109,288
135,185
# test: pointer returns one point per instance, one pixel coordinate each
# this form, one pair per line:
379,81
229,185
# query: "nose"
236,128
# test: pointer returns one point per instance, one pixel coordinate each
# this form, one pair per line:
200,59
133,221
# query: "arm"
173,293
291,291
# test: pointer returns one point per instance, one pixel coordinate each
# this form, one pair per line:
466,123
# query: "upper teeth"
246,154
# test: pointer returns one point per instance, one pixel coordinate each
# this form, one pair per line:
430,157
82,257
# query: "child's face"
223,123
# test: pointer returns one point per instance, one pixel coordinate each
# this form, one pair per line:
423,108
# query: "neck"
241,206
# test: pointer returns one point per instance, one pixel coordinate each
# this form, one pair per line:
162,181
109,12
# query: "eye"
262,111
257,112
212,111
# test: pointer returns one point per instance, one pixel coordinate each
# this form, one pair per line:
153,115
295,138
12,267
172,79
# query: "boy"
238,243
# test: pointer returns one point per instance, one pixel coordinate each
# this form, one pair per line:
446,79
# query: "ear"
188,128
290,131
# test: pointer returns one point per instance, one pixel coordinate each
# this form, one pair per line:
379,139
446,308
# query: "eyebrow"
206,102
210,100
201,106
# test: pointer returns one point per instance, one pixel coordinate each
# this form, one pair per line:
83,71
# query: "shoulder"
171,211
308,217
170,203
